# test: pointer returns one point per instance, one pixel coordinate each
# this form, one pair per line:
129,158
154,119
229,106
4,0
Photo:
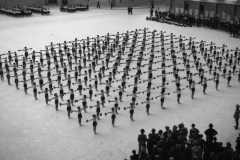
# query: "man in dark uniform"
210,133
98,4
236,116
111,4
152,4
130,10
151,12
142,138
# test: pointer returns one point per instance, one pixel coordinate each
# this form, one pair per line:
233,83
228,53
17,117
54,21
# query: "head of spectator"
167,128
193,125
229,145
175,128
237,107
210,125
134,151
153,131
142,131
180,126
214,139
160,132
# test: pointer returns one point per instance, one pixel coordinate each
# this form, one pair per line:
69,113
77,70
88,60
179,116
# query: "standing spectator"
153,132
183,129
151,12
143,152
98,5
238,144
150,142
187,152
160,133
142,138
152,4
194,133
175,132
228,152
42,11
130,10
168,132
236,116
196,151
134,156
111,4
201,141
235,156
210,133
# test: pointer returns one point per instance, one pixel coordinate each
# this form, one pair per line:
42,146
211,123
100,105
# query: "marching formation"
96,74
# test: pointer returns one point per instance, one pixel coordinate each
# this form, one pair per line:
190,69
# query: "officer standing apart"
236,116
98,4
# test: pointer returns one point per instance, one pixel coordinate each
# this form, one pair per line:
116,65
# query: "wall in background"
117,3
193,5
238,11
80,1
227,8
207,7
21,2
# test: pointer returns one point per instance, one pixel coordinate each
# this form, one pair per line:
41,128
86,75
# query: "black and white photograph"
119,79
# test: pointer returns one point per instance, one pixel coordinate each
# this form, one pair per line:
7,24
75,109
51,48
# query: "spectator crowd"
231,27
179,143
17,11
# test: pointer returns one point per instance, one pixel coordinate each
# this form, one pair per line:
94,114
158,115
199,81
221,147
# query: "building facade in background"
116,3
224,9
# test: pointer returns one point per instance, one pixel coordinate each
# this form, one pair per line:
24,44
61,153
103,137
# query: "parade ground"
32,130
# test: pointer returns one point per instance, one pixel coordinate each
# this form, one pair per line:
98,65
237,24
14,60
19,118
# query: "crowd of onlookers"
232,27
179,143
39,9
23,10
74,8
